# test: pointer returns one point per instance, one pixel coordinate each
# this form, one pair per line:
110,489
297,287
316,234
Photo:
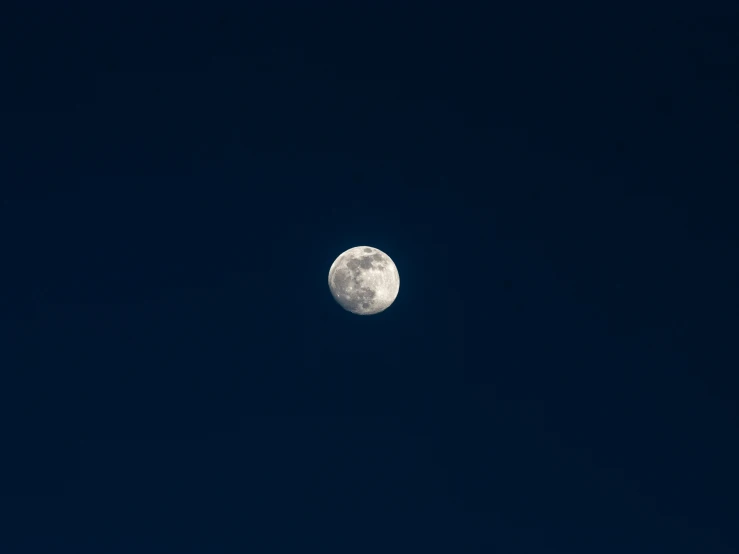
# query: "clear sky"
556,186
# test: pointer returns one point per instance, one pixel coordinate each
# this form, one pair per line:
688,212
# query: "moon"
364,280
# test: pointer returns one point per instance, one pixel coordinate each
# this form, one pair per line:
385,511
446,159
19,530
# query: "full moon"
364,280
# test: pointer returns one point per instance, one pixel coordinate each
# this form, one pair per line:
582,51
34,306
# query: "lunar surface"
364,280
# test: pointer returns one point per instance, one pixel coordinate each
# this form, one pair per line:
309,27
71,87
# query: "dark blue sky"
555,184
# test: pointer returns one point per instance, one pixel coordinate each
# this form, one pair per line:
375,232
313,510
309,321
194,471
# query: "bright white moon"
364,280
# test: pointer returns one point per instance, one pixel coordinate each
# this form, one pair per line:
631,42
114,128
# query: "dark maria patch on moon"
342,280
380,259
349,288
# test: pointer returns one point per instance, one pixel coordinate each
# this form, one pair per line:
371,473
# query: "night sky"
556,185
